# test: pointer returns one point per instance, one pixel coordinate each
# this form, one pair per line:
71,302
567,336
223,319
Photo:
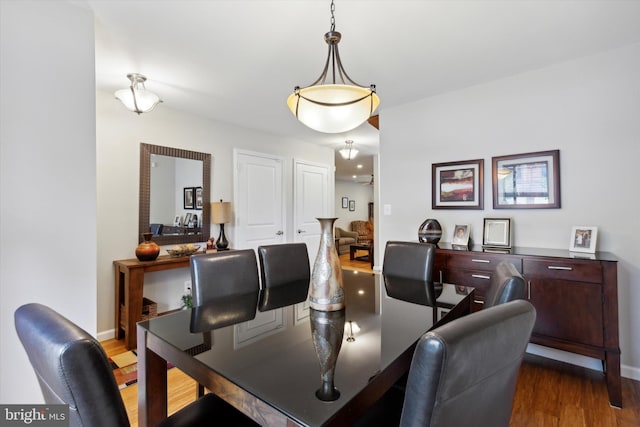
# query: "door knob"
300,231
279,233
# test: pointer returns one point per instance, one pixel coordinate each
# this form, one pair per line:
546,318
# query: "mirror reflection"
174,194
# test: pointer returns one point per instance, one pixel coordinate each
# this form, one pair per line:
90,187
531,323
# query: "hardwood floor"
355,264
549,393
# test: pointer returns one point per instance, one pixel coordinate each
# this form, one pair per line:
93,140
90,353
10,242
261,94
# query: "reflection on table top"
272,356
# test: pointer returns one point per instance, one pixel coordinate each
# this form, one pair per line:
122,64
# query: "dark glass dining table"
272,373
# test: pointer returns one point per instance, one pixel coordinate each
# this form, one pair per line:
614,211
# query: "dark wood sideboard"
575,296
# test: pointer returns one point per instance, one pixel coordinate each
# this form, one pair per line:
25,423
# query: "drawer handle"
481,276
483,261
477,301
553,267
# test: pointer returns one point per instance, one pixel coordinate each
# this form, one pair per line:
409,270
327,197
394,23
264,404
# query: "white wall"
119,134
362,194
47,175
587,108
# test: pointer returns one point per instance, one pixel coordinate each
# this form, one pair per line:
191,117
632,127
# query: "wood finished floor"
548,394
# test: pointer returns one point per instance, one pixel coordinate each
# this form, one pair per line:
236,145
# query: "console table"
575,296
129,282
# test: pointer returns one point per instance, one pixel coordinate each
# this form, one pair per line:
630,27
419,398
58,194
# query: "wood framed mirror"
166,175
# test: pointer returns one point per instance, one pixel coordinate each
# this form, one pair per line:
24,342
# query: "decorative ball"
430,231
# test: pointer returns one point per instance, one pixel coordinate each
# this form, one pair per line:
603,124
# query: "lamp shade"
137,98
220,212
333,108
348,152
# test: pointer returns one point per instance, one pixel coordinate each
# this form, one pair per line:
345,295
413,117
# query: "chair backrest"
222,274
285,274
71,367
506,285
407,269
224,311
465,372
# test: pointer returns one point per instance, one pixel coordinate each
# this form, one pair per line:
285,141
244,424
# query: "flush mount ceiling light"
348,152
137,98
338,105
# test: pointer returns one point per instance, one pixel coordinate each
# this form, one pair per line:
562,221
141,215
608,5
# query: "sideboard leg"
614,381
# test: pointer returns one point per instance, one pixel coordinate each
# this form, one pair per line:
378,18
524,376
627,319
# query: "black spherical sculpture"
430,231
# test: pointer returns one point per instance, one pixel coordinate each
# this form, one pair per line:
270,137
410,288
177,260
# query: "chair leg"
200,390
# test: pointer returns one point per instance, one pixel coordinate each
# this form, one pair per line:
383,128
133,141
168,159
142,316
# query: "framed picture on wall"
526,181
189,198
583,239
198,192
457,185
352,205
345,202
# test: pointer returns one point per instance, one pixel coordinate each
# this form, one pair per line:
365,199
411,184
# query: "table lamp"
221,214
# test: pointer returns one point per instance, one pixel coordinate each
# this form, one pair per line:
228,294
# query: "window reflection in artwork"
525,183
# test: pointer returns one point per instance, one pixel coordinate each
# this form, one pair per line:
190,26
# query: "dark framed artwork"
352,205
198,195
458,185
345,202
189,198
527,181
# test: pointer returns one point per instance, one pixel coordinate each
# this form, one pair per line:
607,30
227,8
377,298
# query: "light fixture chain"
333,18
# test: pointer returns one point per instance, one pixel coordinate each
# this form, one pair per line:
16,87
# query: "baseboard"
106,335
630,372
579,360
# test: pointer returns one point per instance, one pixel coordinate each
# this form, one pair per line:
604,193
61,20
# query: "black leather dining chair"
285,274
407,270
222,274
72,368
463,373
506,285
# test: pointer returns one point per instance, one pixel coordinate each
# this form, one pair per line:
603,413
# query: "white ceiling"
237,61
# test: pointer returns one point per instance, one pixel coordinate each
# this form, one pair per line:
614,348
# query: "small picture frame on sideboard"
496,233
461,235
583,239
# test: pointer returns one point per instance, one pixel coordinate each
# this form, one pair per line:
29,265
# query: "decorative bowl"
183,250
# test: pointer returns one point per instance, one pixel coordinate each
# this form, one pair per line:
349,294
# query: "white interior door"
312,199
259,200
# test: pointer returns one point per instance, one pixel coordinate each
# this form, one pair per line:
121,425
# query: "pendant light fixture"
137,98
348,152
338,105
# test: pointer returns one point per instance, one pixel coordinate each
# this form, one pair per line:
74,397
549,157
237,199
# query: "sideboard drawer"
576,270
477,279
481,261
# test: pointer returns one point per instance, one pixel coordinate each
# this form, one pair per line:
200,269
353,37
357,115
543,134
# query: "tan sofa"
345,238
